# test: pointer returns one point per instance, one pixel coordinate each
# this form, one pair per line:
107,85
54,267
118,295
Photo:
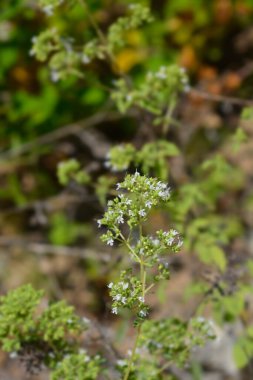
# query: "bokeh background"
48,232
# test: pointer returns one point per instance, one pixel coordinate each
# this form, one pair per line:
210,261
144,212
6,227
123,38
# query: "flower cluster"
138,194
155,93
120,157
127,293
45,43
151,249
144,193
139,14
152,157
65,59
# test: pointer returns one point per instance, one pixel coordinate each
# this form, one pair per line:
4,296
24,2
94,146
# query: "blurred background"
48,232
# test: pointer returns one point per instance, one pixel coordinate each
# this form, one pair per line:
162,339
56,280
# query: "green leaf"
240,355
212,254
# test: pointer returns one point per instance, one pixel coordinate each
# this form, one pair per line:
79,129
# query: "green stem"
93,22
101,36
129,247
143,278
148,288
143,275
167,117
164,367
131,360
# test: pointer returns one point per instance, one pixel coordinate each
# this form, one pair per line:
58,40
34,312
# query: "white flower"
161,74
107,164
141,251
87,358
142,213
170,241
114,310
120,219
13,355
161,185
156,242
118,186
148,204
48,10
123,300
121,363
110,285
201,319
143,313
125,285
128,201
179,244
187,88
99,223
164,194
55,76
173,232
141,299
110,242
85,59
117,297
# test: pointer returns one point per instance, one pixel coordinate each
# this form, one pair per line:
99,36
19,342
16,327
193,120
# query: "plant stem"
143,278
93,22
164,367
148,288
167,117
129,367
143,275
129,247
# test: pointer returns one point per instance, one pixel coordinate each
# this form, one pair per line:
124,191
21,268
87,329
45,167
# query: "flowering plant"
125,220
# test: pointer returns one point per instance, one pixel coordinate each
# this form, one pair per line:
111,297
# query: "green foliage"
247,113
152,157
17,317
139,14
77,366
24,326
173,339
66,59
103,187
62,232
158,91
56,320
243,348
71,170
